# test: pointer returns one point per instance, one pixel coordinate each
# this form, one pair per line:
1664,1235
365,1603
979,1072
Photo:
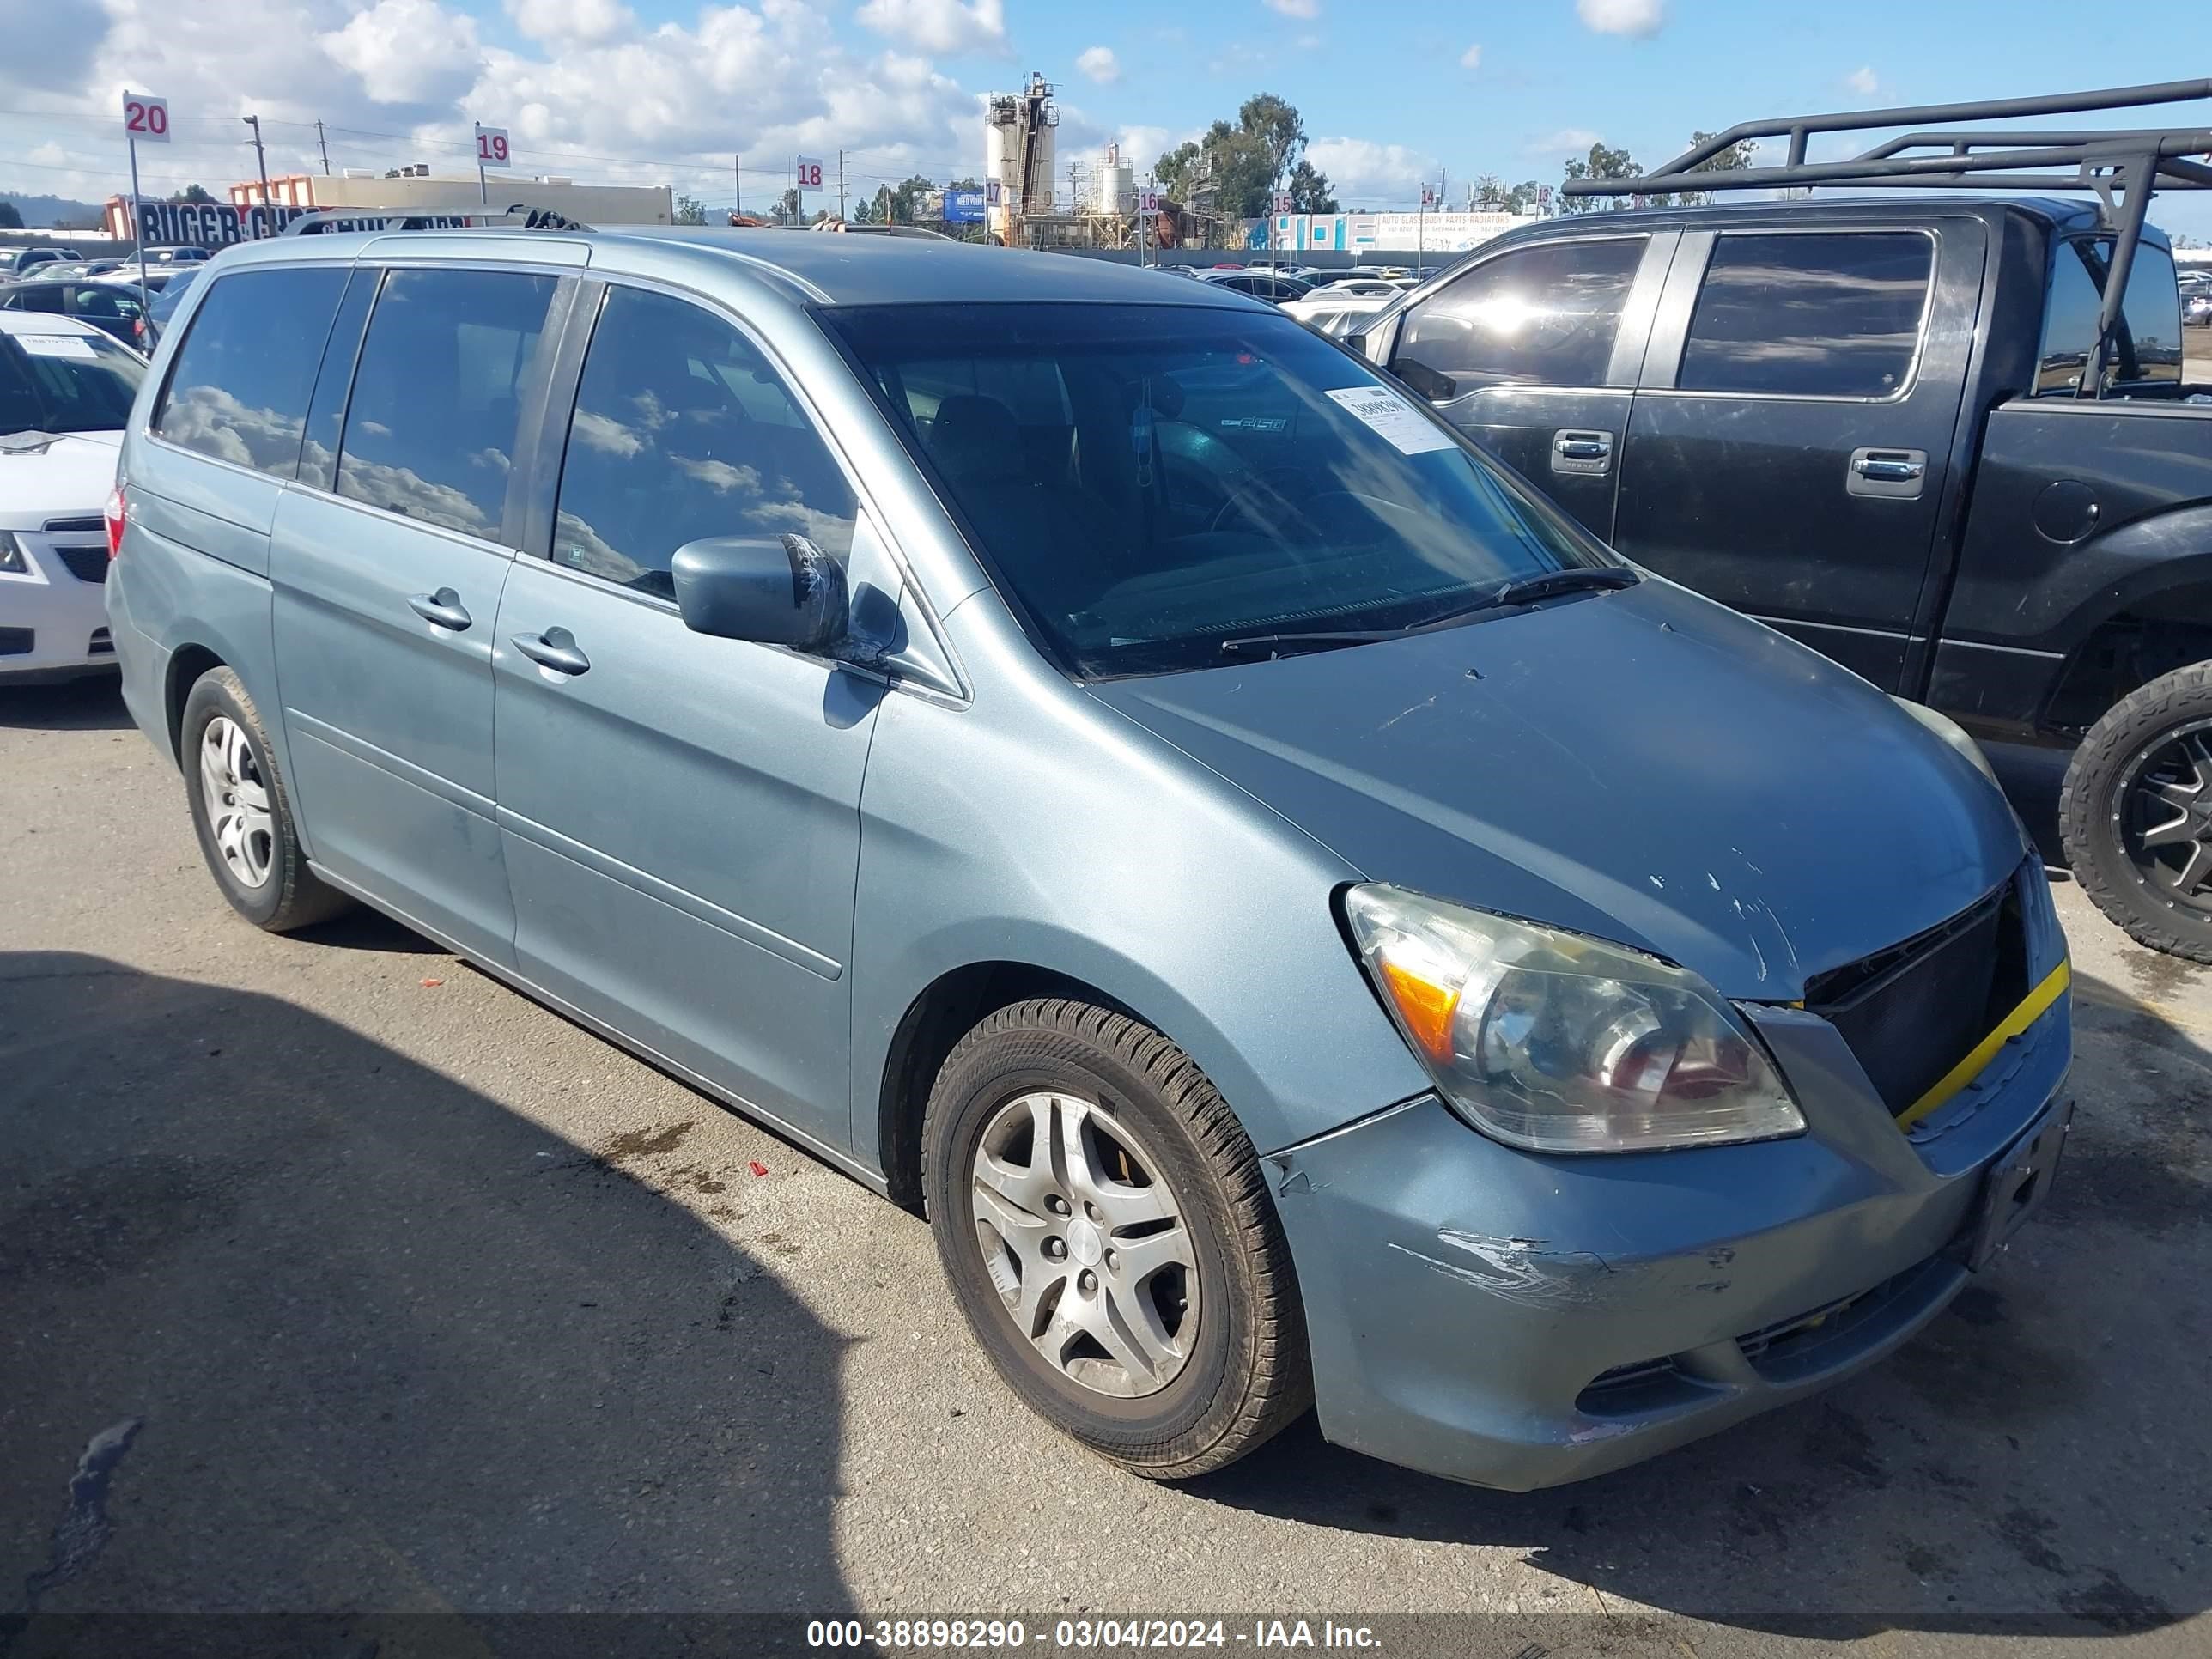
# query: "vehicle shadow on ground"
2036,1460
91,704
387,1345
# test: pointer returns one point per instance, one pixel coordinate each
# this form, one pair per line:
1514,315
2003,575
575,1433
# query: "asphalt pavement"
336,1278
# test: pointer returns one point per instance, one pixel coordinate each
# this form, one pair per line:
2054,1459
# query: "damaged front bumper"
1519,1321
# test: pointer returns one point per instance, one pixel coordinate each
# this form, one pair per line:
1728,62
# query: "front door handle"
1574,451
1898,474
555,648
442,607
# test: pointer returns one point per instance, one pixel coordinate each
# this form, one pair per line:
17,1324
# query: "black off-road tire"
292,897
1247,1374
2116,747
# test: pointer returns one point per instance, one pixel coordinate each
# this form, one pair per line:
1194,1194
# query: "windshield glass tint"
1147,482
62,382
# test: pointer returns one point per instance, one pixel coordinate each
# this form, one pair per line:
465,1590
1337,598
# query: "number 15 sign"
145,120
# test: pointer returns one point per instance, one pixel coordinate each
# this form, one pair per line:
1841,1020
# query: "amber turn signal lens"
1425,1007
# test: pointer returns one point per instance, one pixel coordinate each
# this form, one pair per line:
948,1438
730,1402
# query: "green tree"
1735,157
1602,163
690,210
1176,171
1522,196
1490,193
787,210
11,219
1240,167
1309,190
193,195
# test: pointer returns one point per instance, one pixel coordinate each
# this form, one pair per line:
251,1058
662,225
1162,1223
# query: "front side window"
238,388
1204,475
1538,316
430,429
34,298
683,431
1823,315
2146,343
66,382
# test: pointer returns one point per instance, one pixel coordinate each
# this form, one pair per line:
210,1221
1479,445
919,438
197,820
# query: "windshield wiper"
1250,644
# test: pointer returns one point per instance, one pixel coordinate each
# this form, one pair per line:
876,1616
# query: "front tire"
1107,1235
2136,813
242,813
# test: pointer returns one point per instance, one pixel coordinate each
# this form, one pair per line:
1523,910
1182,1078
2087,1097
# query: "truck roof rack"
330,220
2121,168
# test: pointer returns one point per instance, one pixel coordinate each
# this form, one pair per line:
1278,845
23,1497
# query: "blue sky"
1393,93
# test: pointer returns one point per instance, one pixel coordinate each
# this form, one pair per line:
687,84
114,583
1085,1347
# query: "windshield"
62,382
1146,483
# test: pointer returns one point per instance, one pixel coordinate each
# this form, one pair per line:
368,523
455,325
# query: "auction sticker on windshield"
1392,417
58,345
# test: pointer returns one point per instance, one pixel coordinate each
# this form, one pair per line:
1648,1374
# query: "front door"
1532,354
1791,440
681,813
387,571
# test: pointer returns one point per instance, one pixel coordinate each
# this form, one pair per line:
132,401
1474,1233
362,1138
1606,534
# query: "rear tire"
242,812
2136,813
1068,1111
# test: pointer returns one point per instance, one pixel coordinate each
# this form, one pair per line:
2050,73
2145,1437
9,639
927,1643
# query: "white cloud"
1863,80
583,21
406,51
1471,58
1362,173
1099,63
939,25
1567,141
1636,17
1295,8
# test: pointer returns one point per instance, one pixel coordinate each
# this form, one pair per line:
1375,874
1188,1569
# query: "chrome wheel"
237,801
1086,1244
2162,814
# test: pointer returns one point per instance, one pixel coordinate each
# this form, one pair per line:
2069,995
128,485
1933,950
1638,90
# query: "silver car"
1098,763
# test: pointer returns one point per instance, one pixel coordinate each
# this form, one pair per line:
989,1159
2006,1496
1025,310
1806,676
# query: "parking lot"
423,1299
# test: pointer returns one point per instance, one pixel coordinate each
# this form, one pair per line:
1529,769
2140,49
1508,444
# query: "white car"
65,393
1329,309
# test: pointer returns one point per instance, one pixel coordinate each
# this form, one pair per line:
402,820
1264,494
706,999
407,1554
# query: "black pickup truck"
1947,441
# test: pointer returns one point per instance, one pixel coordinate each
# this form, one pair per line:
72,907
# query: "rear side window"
238,390
430,429
1538,316
682,431
2146,346
1809,316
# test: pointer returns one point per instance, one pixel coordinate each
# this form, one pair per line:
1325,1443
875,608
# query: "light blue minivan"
1097,762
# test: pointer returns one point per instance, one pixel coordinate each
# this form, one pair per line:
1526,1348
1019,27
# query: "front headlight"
1952,732
1561,1043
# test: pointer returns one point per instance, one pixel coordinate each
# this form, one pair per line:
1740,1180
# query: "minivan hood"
55,476
1641,765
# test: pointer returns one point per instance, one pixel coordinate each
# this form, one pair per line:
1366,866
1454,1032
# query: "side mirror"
772,590
1437,388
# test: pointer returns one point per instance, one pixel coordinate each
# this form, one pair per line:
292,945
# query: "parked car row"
1290,1018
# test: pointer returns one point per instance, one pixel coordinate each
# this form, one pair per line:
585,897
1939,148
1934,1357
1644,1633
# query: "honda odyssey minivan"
1098,763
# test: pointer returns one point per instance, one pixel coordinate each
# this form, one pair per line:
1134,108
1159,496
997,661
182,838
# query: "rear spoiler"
338,221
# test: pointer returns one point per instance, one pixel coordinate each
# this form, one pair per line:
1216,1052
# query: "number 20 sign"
491,147
146,120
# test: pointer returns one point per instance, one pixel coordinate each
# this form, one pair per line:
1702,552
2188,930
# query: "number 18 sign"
145,120
809,172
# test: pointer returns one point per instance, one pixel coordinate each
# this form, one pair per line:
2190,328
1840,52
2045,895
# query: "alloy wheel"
237,801
1086,1244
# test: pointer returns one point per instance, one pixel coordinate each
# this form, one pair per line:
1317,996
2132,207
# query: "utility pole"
261,158
325,148
738,180
841,186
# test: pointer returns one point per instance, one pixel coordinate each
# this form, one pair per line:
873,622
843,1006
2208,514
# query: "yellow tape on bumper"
2031,1008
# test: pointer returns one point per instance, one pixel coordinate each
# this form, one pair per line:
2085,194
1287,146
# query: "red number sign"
491,147
146,120
809,173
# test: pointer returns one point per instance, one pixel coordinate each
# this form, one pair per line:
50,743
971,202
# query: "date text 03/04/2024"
1083,1634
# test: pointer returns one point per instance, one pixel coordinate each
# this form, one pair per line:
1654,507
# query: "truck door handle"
442,607
1574,451
555,648
1897,474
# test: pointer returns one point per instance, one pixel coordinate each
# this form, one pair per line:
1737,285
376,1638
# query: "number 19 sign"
491,147
145,120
